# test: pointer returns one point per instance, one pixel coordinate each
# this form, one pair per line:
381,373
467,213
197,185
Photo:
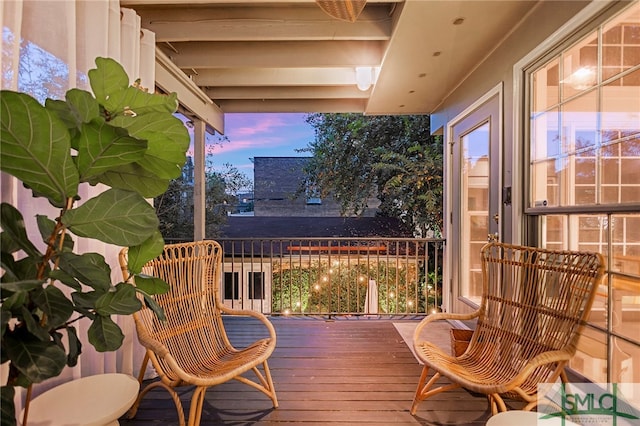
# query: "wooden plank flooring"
342,372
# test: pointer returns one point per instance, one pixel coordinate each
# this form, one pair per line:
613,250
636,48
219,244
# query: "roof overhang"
226,56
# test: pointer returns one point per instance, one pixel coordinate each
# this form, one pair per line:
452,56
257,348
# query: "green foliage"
320,287
173,207
124,138
394,158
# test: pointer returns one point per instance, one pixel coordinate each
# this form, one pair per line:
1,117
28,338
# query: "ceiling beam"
298,92
276,77
171,79
308,22
293,54
125,3
295,105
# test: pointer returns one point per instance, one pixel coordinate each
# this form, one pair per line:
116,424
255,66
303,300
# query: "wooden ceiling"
291,56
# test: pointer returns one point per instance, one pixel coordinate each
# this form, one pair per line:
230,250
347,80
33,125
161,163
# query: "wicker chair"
191,347
534,305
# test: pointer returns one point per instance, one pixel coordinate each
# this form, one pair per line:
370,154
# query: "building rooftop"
308,227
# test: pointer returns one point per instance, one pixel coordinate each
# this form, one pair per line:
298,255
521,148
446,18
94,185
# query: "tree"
222,188
395,158
175,207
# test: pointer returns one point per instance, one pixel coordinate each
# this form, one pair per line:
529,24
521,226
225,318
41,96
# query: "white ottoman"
90,401
525,418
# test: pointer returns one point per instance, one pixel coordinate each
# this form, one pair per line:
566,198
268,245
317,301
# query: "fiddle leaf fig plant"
121,137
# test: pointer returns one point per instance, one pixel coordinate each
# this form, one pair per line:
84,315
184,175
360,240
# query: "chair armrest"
440,316
549,357
249,313
545,358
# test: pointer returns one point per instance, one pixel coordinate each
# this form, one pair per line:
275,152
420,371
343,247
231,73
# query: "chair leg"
421,389
492,405
496,403
176,400
269,384
425,391
266,382
197,402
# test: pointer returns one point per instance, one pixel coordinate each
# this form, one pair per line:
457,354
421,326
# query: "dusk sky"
261,135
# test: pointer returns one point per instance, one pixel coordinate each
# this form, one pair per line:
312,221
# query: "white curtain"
47,48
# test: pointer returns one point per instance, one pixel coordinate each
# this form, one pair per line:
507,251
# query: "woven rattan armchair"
534,305
191,347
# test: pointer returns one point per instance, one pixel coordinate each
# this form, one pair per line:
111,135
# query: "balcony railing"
333,276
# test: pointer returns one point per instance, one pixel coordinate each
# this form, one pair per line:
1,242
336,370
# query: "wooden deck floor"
342,372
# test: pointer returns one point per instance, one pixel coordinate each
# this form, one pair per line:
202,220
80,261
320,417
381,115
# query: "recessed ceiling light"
458,21
437,53
402,106
422,74
412,91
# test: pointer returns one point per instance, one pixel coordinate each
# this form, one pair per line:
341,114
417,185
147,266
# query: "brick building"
279,191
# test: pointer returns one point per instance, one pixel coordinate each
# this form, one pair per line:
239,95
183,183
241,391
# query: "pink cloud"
253,124
255,135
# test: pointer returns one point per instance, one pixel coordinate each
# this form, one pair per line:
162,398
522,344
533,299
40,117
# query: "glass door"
475,214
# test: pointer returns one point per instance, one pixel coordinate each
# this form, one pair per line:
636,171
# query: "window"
247,285
585,124
256,285
313,194
584,175
231,285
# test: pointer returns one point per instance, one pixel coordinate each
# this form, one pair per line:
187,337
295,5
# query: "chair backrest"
193,324
534,300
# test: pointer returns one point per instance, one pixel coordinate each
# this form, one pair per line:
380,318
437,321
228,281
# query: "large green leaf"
89,268
54,304
7,243
133,177
35,359
123,301
8,411
34,326
139,255
134,102
26,285
65,278
104,334
27,268
82,105
7,263
107,78
151,303
168,141
123,218
78,107
12,224
75,346
151,285
110,84
36,148
5,317
102,147
14,302
46,226
87,300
